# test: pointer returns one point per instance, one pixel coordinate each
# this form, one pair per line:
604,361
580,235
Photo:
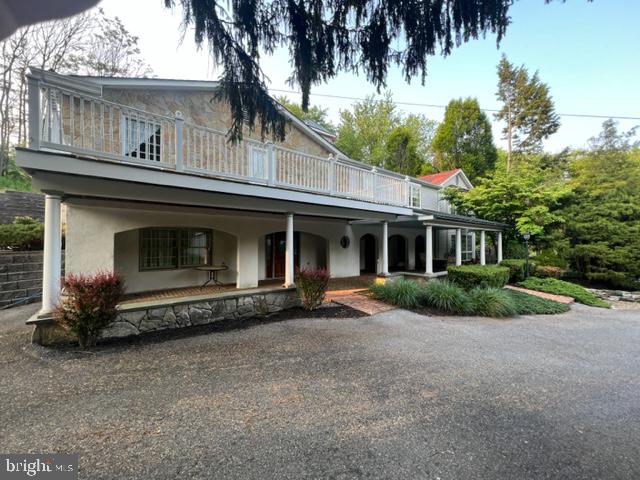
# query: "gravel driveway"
396,395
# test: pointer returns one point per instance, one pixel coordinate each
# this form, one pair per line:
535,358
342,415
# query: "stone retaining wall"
21,277
135,320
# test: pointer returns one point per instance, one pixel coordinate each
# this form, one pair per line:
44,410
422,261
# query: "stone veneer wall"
138,320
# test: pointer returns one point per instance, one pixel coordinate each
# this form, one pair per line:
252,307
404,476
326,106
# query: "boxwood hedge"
482,276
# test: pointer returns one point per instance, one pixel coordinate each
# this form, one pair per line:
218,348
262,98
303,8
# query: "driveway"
396,395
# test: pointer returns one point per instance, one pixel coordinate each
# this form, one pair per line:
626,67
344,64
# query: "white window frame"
262,164
467,246
415,195
126,147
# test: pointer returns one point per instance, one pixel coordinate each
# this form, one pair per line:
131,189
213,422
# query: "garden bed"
449,299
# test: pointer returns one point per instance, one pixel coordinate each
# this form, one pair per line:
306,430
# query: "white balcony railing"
64,119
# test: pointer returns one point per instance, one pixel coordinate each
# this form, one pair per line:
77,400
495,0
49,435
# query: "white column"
483,257
385,248
288,259
499,247
473,245
458,246
428,250
247,260
52,259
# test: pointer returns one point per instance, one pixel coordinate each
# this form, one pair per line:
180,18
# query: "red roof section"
440,177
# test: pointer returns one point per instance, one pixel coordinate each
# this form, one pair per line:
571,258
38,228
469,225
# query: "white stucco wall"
106,238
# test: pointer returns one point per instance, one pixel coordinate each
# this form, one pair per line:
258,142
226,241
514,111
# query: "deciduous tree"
314,112
464,139
365,131
90,44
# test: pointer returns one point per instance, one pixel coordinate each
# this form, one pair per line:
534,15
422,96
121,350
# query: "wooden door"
275,253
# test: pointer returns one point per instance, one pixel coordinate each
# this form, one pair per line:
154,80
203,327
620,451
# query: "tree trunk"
509,133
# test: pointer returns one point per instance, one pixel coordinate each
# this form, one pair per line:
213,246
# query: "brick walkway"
548,296
357,301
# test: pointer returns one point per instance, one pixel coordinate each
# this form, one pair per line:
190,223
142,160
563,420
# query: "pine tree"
527,109
327,38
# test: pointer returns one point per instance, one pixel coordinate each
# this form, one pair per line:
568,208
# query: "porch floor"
199,292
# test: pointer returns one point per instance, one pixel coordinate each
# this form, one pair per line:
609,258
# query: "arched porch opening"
368,254
420,253
159,258
398,253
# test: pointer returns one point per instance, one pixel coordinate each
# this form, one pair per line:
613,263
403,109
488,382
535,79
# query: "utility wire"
429,105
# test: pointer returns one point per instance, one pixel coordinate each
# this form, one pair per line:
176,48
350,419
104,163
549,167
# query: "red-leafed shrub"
88,304
312,284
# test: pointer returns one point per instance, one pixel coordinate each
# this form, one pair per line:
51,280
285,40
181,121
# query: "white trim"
79,85
462,175
109,171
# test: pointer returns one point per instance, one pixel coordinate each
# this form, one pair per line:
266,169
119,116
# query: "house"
154,190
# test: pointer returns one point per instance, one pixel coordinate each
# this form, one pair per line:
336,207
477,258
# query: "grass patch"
449,298
446,296
527,304
491,302
560,287
403,293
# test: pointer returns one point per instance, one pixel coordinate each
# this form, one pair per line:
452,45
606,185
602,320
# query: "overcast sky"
588,53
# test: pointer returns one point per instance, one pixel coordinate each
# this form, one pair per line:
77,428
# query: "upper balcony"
65,116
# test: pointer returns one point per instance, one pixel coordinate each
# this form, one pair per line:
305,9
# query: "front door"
275,253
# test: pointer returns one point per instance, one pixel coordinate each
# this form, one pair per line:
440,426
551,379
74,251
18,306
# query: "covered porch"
427,243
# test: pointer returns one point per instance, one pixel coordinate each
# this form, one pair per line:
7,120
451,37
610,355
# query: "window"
258,162
467,246
415,196
141,138
171,248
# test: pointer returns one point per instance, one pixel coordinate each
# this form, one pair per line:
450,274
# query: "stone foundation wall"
136,321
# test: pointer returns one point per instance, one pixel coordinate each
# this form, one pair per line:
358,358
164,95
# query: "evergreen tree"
603,217
527,109
327,38
464,139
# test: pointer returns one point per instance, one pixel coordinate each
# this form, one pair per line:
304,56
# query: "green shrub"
560,287
527,304
516,268
547,271
472,276
446,296
491,302
555,258
89,305
24,233
312,285
514,249
403,293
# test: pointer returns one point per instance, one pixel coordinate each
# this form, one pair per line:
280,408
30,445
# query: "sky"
587,52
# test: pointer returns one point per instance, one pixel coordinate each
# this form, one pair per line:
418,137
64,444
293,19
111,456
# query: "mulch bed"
327,310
